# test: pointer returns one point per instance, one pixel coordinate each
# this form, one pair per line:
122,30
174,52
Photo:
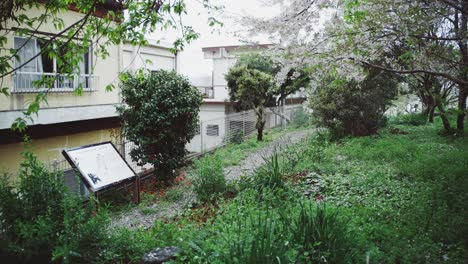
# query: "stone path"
257,158
135,218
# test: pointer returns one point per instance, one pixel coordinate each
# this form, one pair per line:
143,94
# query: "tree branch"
441,74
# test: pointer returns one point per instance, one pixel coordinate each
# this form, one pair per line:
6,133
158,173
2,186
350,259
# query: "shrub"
414,119
40,220
208,178
300,118
351,107
322,235
160,116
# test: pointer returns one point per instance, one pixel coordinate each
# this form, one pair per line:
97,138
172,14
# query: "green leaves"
160,116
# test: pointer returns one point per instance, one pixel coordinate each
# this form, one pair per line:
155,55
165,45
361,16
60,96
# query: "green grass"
389,198
407,192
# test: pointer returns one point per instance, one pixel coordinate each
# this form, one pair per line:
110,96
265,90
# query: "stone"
161,255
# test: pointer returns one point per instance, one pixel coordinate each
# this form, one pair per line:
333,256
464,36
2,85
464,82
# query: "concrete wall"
50,149
210,114
153,57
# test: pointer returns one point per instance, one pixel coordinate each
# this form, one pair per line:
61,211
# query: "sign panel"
100,165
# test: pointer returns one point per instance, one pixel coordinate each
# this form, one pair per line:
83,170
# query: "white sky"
191,61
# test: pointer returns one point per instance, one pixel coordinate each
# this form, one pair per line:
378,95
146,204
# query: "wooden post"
136,193
96,195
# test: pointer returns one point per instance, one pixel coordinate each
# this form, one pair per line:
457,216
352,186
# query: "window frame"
210,129
55,88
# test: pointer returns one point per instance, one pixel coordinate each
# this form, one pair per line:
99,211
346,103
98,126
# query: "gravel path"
144,217
256,159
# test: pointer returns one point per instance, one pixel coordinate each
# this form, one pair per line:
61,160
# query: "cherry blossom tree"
346,35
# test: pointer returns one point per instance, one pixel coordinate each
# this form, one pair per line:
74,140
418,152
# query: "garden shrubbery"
351,107
160,116
41,221
414,119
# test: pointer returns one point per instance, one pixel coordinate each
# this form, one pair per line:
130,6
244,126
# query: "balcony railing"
25,82
206,91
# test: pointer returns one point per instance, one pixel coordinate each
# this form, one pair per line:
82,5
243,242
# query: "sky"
191,61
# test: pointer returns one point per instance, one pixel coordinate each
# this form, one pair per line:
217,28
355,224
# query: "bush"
40,220
300,118
414,119
160,116
208,178
352,108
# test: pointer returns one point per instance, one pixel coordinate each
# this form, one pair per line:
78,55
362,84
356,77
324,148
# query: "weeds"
208,178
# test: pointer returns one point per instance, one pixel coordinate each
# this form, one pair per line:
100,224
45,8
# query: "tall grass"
322,235
208,178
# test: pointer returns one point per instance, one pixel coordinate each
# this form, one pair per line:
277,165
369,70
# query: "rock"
161,255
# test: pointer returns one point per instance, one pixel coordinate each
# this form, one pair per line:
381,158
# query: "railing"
206,91
27,82
213,134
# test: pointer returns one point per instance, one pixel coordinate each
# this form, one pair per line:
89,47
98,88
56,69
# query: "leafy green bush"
414,119
322,235
208,178
351,107
300,118
160,116
40,220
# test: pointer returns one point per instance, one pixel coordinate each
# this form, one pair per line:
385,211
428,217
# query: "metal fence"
212,134
216,133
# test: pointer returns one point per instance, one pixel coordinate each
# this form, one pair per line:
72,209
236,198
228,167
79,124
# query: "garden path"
145,216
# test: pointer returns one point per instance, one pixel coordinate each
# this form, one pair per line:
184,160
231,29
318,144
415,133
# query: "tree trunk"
443,116
461,109
431,114
260,124
462,32
259,134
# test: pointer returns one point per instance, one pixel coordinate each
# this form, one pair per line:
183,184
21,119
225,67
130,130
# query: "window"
37,67
212,130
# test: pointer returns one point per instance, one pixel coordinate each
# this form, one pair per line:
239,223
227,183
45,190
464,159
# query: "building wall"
60,107
106,71
50,149
210,114
152,57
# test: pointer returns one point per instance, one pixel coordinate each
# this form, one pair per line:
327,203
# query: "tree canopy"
250,84
414,38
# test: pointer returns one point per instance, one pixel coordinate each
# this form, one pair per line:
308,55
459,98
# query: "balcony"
23,82
206,91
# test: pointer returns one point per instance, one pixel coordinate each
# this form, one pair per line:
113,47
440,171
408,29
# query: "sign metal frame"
134,178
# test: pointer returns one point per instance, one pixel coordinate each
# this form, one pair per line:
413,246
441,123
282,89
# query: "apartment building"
68,120
216,104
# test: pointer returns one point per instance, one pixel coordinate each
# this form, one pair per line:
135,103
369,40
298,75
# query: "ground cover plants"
391,198
396,197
